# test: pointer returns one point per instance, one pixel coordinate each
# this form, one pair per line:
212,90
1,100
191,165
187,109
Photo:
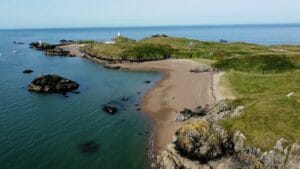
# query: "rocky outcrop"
52,84
49,49
57,52
204,144
186,114
203,141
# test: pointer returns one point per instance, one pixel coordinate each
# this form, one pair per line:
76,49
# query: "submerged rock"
28,71
52,84
147,81
89,147
110,109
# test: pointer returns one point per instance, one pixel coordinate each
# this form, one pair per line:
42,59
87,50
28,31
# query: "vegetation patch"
143,52
257,63
269,113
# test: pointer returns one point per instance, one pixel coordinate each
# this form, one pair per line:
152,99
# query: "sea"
47,131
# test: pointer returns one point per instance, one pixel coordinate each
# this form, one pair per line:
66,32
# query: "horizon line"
153,26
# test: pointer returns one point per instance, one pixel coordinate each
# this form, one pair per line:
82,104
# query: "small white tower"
40,43
119,34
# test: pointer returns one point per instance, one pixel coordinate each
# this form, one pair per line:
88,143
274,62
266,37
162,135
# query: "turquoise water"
45,131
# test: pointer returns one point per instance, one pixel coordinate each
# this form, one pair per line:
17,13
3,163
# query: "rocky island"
52,84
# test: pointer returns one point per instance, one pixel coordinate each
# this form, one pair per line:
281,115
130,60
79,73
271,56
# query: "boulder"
203,141
27,71
110,109
239,141
52,84
186,114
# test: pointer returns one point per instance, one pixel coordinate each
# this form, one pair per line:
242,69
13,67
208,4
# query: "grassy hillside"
260,77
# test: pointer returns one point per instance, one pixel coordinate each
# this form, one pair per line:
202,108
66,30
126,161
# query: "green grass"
269,114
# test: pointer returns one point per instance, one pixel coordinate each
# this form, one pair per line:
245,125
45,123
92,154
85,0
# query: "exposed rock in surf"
52,84
110,109
27,71
147,81
110,66
89,147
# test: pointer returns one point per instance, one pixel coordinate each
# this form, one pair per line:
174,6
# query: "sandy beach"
178,89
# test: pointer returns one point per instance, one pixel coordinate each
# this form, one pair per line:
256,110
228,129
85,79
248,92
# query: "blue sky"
102,13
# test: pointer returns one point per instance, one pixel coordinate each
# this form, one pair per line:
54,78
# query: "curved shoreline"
178,89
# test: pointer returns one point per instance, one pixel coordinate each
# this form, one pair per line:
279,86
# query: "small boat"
14,51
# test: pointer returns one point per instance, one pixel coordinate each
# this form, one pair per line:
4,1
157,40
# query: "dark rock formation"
28,71
110,109
49,49
89,147
159,35
186,114
57,52
41,46
52,84
147,81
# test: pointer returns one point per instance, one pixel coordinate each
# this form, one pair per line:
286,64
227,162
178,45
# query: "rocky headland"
202,144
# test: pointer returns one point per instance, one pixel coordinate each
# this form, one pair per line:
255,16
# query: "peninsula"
231,104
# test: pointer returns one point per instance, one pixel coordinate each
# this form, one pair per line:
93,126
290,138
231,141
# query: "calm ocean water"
45,131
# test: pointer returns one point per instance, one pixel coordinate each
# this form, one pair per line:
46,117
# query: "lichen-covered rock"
277,157
293,161
202,141
52,84
239,141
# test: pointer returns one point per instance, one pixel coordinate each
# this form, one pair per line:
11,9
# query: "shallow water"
45,131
